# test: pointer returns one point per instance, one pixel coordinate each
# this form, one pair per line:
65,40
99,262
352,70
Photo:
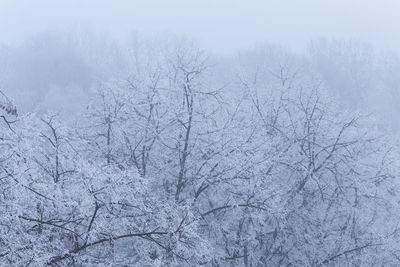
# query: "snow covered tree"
182,163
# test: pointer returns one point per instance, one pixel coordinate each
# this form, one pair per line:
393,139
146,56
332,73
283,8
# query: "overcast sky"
219,25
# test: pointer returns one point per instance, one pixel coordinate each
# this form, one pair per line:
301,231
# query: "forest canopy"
159,153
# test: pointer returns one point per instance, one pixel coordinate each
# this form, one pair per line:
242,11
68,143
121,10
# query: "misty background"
54,53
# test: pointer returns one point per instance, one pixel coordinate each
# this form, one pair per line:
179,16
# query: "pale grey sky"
219,25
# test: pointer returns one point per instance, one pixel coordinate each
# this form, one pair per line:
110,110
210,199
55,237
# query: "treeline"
185,162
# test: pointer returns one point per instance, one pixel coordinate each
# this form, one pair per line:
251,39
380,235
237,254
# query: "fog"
223,26
199,133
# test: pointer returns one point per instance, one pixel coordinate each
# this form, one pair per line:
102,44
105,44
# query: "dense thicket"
184,162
